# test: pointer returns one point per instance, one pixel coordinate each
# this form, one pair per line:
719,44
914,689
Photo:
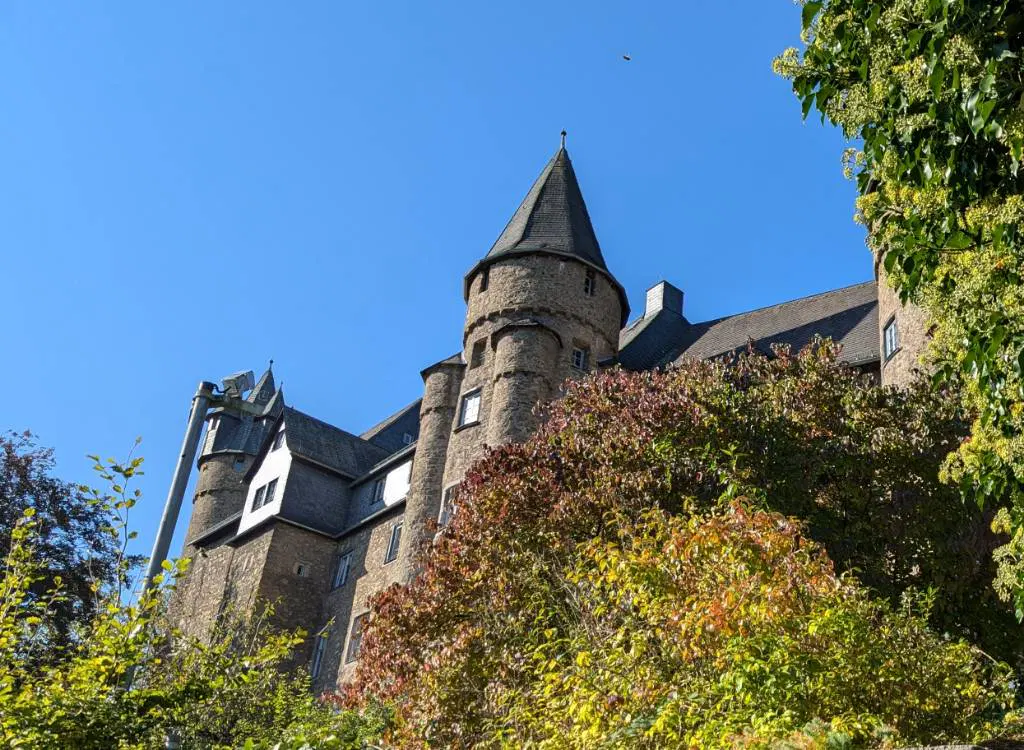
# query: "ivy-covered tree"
631,574
933,92
75,541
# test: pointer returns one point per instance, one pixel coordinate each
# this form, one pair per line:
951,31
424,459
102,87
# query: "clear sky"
188,189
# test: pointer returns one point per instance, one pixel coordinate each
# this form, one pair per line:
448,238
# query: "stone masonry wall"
912,325
441,387
220,492
368,574
197,601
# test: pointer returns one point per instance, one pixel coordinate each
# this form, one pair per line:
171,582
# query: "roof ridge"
333,427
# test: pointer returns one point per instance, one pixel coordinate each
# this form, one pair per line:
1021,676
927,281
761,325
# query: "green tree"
604,581
231,692
76,541
933,90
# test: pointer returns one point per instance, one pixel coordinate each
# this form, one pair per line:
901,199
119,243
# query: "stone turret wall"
220,492
518,341
441,387
913,326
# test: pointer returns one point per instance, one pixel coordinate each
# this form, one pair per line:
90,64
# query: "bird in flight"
627,58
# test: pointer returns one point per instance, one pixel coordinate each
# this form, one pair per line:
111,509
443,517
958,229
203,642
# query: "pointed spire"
264,389
553,217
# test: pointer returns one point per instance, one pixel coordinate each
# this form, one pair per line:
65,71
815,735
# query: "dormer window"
264,495
377,491
890,339
278,440
590,283
407,438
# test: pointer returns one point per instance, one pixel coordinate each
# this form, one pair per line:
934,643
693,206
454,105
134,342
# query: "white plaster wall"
275,465
397,485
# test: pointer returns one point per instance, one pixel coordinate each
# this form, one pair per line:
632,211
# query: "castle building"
292,510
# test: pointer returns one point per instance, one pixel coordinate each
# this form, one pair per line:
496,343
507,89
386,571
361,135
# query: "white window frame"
408,438
580,358
318,654
590,283
377,490
341,570
890,339
394,542
474,398
448,507
257,499
355,638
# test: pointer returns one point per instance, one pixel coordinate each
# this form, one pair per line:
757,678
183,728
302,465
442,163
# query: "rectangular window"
318,654
590,283
579,358
396,538
485,279
477,357
355,638
377,490
407,438
447,507
278,440
890,339
271,488
257,501
469,412
341,571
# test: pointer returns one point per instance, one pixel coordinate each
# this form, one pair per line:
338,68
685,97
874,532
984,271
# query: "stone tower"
231,442
542,307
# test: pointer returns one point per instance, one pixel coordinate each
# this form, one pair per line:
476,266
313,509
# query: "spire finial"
563,138
271,365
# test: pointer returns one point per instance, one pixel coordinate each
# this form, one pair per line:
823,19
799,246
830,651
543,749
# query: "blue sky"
188,189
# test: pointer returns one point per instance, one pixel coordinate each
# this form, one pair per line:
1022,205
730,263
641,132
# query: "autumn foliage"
634,575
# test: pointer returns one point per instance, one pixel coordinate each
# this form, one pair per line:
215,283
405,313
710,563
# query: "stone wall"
197,601
913,326
368,574
441,387
220,492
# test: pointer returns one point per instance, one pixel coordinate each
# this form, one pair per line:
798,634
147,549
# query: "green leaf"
809,12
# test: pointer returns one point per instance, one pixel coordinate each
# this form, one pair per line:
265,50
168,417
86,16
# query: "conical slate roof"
553,216
552,219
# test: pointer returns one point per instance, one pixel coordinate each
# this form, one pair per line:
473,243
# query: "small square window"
580,358
355,638
590,283
278,440
396,538
408,438
890,339
239,463
477,357
257,501
447,507
318,654
301,570
469,412
341,571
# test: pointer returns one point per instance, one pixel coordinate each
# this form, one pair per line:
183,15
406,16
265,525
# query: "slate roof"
389,433
849,316
328,445
552,219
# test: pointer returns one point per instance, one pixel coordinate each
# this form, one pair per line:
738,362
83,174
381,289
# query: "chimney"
663,296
